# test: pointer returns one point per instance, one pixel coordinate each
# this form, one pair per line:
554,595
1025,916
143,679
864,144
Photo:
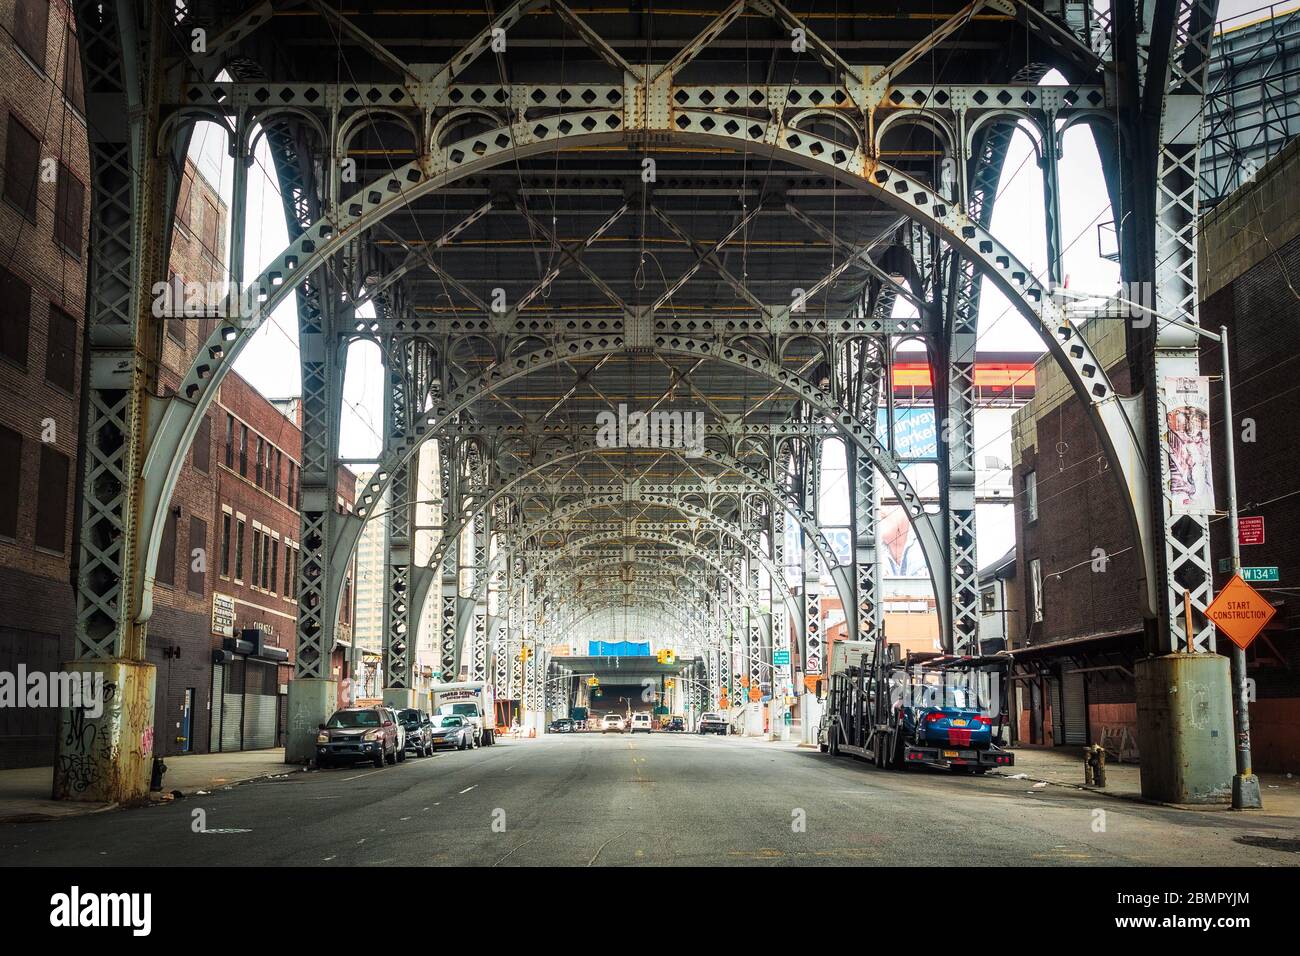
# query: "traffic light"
523,654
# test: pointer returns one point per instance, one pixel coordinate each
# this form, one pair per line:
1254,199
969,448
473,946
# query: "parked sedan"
453,732
357,733
419,731
561,725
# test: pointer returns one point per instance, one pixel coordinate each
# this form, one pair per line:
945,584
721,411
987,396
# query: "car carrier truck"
937,710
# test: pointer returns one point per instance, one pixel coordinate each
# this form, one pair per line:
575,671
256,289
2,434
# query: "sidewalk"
1063,766
25,793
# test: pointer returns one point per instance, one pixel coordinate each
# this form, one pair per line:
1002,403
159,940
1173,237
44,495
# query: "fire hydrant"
1094,766
155,780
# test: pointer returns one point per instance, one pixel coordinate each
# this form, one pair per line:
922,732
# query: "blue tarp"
618,648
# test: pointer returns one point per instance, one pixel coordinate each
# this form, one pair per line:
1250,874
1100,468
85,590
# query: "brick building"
1251,286
42,327
1074,623
42,296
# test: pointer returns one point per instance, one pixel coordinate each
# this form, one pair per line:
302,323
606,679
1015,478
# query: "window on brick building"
256,578
279,466
52,500
198,556
293,484
1036,589
183,200
210,228
239,550
275,564
69,211
32,27
22,162
226,520
290,559
243,450
16,299
202,454
257,461
1031,495
72,86
166,572
61,350
266,561
230,441
175,307
11,470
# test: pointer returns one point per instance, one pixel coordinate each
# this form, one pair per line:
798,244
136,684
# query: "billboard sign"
915,432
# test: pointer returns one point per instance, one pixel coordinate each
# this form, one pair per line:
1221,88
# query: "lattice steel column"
753,622
399,654
955,353
449,580
866,566
478,642
1187,567
780,620
106,758
739,638
726,681
813,649
313,688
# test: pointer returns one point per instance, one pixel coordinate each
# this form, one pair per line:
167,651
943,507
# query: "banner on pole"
1189,482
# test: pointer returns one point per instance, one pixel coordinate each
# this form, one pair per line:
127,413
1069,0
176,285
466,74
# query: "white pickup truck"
473,700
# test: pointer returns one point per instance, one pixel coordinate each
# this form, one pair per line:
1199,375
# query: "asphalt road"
584,800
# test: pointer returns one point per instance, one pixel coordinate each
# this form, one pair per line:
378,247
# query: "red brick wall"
56,277
36,593
1079,508
1275,744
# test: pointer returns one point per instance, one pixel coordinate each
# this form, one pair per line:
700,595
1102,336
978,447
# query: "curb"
1131,798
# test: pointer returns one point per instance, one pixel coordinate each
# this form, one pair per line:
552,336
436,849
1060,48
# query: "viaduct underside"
632,275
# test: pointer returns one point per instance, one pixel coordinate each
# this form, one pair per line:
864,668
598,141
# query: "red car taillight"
935,717
982,721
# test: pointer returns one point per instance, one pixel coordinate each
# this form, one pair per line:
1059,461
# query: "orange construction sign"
755,695
1240,612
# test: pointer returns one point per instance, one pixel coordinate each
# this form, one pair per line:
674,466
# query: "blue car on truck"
952,731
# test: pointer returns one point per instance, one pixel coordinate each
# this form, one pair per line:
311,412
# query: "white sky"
270,360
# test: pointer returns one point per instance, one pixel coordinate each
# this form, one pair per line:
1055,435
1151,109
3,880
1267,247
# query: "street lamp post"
1245,785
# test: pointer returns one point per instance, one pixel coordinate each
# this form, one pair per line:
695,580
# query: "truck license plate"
959,722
